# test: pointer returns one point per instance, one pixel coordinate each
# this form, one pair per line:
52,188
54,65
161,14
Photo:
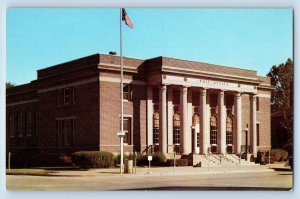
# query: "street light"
246,132
121,135
194,136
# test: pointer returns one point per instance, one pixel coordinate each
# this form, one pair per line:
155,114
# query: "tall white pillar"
163,119
189,122
170,121
238,121
149,116
203,123
207,122
253,124
221,122
183,120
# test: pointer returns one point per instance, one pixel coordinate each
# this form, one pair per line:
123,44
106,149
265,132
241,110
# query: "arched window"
156,128
229,130
213,130
196,119
176,128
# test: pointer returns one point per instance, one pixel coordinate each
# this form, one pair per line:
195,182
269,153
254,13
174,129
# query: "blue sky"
247,38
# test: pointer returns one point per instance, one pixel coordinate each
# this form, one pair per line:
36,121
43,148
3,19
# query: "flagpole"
121,91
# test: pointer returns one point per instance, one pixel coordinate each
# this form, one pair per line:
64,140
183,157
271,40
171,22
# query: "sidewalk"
165,171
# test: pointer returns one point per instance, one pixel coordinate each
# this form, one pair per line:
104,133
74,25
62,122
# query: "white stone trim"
210,84
264,95
68,85
21,102
117,80
209,73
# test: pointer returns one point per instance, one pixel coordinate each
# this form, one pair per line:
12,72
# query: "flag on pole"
127,19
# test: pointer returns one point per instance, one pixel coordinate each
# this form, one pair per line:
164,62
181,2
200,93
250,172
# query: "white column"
170,121
253,124
183,120
203,123
221,123
238,121
189,122
149,116
207,122
163,119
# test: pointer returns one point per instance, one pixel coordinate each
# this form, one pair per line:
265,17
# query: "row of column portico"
165,121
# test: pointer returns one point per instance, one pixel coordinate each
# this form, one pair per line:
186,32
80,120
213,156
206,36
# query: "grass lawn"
33,172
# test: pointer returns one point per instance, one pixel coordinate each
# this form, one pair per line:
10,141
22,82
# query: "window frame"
127,132
229,133
156,128
214,131
127,93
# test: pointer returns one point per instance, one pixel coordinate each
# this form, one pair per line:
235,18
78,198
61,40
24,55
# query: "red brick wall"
110,112
264,120
245,118
85,110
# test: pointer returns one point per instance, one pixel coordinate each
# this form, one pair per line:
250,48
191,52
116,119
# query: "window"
35,122
65,96
156,128
65,131
16,124
126,92
127,130
229,130
198,139
176,129
20,124
213,130
196,121
11,125
28,123
257,134
257,103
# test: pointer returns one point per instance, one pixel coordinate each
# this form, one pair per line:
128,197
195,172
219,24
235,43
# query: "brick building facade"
169,104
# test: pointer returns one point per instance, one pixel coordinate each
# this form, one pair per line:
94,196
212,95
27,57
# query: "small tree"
282,96
9,85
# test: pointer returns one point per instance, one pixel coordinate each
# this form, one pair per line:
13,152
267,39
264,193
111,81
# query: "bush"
279,155
179,162
66,160
125,156
158,159
93,159
141,159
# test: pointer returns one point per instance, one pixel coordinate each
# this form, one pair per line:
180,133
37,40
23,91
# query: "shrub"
279,155
65,160
158,159
179,162
93,159
125,156
141,159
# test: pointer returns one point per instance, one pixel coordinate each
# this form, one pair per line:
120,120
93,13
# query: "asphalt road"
278,180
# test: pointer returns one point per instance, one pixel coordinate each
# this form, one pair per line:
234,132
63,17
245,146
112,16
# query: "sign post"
135,156
174,161
149,159
9,154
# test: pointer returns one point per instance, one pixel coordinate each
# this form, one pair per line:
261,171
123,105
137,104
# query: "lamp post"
246,132
121,135
194,136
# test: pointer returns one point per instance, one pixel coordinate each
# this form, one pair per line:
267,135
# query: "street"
158,180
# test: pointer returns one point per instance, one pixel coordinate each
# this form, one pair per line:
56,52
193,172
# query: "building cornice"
210,75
